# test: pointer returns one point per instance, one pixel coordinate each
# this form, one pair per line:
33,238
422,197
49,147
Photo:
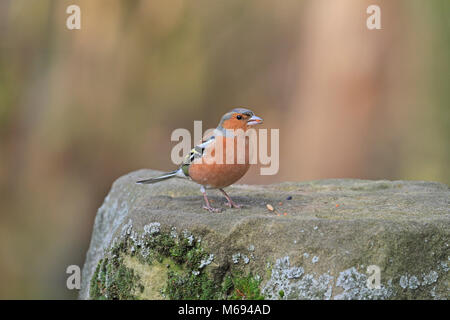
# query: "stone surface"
318,245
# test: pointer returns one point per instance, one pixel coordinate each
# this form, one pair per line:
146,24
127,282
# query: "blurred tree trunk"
342,96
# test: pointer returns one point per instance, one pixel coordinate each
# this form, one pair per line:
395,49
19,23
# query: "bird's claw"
233,205
211,209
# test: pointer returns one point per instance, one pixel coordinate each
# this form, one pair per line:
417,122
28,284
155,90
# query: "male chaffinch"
212,171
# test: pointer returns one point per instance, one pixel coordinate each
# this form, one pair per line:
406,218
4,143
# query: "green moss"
95,285
163,244
113,280
227,284
245,288
184,286
166,266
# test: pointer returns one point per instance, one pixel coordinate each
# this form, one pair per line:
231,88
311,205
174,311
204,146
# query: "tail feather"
160,178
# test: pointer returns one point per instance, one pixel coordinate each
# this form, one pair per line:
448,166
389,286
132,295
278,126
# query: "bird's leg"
208,206
230,203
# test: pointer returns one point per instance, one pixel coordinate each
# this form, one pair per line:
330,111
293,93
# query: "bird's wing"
195,153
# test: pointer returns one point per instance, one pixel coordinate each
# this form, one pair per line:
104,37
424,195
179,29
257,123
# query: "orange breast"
209,172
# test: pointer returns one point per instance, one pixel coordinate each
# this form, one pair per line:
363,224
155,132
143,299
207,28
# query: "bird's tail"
165,176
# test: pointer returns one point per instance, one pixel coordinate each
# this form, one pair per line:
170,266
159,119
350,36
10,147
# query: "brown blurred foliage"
80,108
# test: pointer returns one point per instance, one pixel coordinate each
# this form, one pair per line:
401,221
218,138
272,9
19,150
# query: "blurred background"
79,108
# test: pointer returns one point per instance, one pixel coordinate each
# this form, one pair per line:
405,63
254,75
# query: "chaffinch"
212,171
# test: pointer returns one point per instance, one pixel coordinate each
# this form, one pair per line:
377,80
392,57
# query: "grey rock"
402,227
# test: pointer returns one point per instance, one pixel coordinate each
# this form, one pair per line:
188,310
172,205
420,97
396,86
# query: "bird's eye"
239,117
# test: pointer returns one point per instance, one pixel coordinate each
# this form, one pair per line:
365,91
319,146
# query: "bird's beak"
254,120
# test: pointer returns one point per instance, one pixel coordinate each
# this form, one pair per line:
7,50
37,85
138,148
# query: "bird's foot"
211,209
233,205
230,203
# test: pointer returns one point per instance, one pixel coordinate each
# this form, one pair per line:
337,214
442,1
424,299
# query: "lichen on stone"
354,285
156,264
295,284
236,257
430,278
152,228
207,261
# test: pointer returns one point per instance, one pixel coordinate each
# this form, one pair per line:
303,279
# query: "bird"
210,165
